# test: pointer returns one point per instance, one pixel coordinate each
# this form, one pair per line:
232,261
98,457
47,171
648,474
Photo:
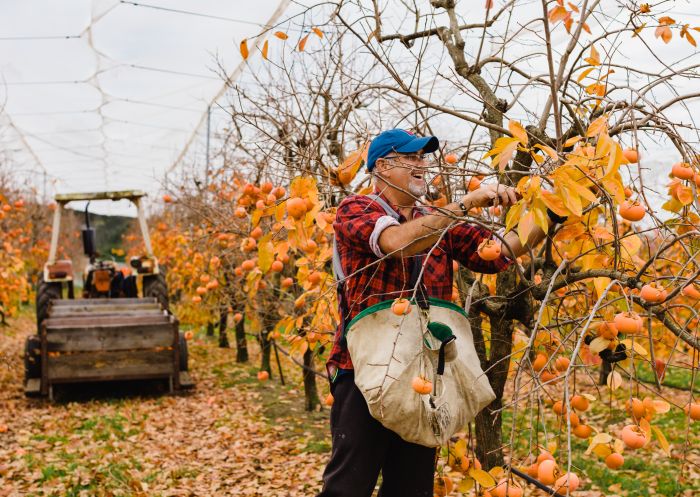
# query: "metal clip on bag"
435,341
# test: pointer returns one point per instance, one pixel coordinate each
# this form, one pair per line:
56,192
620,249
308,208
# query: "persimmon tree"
559,101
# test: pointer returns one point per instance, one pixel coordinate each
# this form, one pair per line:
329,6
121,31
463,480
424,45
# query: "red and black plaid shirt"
369,282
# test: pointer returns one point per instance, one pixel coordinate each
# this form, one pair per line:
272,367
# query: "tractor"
120,329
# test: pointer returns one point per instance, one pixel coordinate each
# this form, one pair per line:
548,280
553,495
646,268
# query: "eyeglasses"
426,160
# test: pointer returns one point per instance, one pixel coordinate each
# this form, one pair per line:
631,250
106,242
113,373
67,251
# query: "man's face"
406,172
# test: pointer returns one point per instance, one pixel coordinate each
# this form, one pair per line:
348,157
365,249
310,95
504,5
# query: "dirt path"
230,436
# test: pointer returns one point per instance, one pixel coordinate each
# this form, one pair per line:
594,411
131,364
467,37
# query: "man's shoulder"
359,203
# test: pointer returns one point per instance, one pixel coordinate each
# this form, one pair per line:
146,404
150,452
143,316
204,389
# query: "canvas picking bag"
434,341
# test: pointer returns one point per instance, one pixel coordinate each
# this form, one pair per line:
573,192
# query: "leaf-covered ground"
231,435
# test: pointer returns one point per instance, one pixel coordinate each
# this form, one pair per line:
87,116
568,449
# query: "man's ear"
379,166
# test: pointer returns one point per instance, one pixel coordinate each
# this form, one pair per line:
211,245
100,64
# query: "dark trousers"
362,447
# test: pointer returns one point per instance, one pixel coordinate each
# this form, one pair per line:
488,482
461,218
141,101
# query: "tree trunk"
489,448
210,329
241,343
223,324
605,370
265,348
311,400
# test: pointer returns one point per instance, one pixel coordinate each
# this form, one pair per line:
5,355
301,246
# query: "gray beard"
416,190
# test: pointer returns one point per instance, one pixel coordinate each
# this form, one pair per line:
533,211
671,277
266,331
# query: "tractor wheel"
183,352
45,293
155,287
32,357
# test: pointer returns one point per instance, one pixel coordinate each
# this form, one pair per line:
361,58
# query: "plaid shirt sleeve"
355,221
464,242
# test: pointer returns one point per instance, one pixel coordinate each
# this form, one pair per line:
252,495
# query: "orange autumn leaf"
264,49
244,49
302,43
281,35
317,31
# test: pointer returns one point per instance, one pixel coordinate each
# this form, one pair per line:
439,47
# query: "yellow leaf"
572,141
302,43
281,35
459,449
598,344
646,427
507,154
614,380
266,254
638,348
601,438
318,32
244,49
264,49
548,150
662,440
465,485
525,227
541,219
597,127
518,131
600,284
496,472
594,58
482,477
513,215
602,450
554,203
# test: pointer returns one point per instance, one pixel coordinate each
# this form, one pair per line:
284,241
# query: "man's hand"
491,195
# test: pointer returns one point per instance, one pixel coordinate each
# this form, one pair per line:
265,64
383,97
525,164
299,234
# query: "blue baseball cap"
401,141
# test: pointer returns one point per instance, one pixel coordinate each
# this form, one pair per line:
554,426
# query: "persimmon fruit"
631,155
506,488
286,283
580,403
628,322
652,293
632,211
633,436
401,307
693,411
562,363
256,233
614,460
547,471
540,362
296,208
276,266
263,375
237,317
682,170
421,385
567,482
451,158
489,250
691,291
582,431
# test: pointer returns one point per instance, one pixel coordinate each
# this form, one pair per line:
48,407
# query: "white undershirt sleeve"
382,223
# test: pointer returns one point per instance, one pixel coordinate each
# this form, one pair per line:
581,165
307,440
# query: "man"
376,252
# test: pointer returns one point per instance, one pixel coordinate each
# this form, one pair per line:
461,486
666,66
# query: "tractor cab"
102,277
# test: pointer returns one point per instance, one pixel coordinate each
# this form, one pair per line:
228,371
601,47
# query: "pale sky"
83,113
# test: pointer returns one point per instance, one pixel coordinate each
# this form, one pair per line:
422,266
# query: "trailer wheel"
183,352
155,287
45,293
32,357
